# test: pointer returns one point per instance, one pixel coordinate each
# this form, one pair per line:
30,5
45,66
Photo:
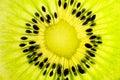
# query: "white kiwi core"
61,39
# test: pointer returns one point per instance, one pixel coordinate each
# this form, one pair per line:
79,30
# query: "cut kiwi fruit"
59,40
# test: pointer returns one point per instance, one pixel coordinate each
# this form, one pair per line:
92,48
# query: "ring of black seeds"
91,48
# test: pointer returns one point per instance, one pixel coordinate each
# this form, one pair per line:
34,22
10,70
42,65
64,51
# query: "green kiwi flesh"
59,40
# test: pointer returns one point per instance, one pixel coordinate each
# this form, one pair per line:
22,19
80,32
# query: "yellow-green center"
61,39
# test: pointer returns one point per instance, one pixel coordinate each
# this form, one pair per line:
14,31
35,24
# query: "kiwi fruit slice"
59,40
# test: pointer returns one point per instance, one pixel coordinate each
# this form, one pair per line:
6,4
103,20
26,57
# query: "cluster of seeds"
32,48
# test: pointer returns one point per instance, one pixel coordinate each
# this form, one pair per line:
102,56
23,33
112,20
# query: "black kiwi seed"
30,61
65,5
82,18
78,14
53,66
87,65
83,10
41,65
74,11
48,17
36,63
99,42
25,50
22,44
35,27
78,5
83,60
95,45
51,73
35,32
43,9
48,21
34,53
98,37
37,14
92,37
71,2
66,72
67,78
90,33
89,13
32,48
37,46
93,17
93,49
55,14
44,72
31,55
40,54
88,20
59,3
93,41
89,30
73,69
24,38
27,24
35,59
46,59
87,45
90,53
84,23
47,65
93,24
87,57
59,70
41,18
28,31
80,69
34,20
92,62
32,42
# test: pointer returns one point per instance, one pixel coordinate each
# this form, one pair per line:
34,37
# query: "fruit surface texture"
59,40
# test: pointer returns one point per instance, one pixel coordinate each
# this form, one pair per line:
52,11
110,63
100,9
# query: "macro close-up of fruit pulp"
59,40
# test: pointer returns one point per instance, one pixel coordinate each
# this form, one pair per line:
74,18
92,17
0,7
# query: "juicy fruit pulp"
25,56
